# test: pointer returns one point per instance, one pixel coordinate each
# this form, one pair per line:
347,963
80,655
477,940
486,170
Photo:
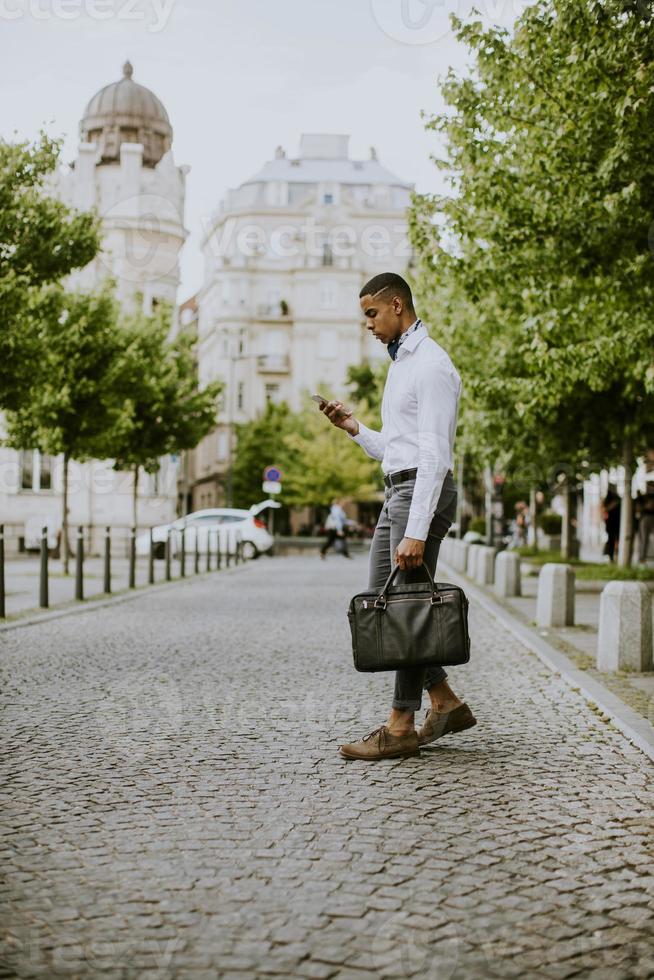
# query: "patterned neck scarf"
395,345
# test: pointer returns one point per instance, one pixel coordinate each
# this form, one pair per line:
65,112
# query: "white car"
230,523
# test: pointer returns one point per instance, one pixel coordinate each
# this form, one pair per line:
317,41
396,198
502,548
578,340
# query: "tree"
41,241
260,443
165,412
74,404
539,256
322,463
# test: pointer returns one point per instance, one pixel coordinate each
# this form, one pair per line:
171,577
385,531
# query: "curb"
88,605
633,726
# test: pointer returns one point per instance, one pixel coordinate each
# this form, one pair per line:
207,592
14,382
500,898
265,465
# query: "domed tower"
125,169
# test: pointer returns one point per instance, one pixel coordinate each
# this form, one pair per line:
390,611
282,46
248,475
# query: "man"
645,520
336,527
415,446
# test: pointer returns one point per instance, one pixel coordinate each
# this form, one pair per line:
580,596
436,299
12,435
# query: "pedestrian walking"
611,506
336,527
645,520
415,447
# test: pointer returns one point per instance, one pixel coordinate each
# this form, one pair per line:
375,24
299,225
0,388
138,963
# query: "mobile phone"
319,399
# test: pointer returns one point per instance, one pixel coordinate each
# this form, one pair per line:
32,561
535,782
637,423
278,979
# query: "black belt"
391,479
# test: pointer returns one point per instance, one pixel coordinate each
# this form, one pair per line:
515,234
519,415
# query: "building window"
272,393
240,395
35,470
327,255
328,294
223,446
327,343
328,199
26,469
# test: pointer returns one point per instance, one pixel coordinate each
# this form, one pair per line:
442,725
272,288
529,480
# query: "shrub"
478,525
550,522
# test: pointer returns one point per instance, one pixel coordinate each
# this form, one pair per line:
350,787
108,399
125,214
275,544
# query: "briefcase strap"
381,600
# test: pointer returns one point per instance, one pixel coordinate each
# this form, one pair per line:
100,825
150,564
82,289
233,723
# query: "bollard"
132,558
237,548
182,556
219,557
485,565
462,549
107,560
196,565
471,560
2,571
507,574
556,595
208,565
151,560
79,564
624,641
43,584
228,544
167,555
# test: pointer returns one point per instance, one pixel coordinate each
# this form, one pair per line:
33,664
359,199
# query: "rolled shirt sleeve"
437,392
371,441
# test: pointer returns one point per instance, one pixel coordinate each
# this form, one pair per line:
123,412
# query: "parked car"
228,521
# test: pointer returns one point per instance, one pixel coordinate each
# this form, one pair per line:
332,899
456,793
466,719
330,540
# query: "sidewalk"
175,806
579,642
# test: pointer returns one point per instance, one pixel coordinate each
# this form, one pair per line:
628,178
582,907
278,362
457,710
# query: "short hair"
387,282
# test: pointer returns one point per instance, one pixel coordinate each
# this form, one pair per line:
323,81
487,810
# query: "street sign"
272,474
271,486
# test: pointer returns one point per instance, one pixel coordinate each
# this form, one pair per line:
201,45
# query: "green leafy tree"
74,405
538,261
165,411
260,443
41,241
323,463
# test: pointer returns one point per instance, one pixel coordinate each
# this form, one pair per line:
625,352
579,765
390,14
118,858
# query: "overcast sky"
239,77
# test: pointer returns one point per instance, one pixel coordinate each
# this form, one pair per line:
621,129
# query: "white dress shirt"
419,415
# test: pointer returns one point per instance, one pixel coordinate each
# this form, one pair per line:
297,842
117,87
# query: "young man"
415,446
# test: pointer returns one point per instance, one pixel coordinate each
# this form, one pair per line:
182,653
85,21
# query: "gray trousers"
388,534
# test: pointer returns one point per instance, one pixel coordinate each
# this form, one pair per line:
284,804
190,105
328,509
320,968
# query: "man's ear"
397,305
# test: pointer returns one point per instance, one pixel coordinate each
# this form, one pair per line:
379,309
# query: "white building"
125,169
286,254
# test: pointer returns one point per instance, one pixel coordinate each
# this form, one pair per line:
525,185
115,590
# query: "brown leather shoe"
380,744
444,723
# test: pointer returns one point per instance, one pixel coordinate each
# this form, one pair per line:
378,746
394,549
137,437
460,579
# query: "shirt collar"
412,337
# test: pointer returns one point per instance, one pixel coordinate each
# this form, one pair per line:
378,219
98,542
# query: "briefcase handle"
380,601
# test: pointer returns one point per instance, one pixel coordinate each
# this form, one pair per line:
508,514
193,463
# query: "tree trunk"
459,495
488,480
626,509
533,515
135,498
64,522
566,537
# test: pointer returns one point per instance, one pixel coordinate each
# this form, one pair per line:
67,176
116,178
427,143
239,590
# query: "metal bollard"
219,557
208,560
236,548
2,571
196,567
79,564
167,555
132,557
182,557
43,584
151,561
107,559
228,545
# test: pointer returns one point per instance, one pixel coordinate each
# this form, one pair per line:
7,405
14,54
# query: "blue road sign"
272,474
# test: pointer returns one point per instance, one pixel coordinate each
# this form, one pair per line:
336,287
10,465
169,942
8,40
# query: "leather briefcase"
422,624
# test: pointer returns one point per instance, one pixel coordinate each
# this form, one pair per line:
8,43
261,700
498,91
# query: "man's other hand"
408,553
340,416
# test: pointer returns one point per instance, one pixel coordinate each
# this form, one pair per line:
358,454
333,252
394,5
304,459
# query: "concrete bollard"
462,555
625,627
556,595
507,573
485,566
471,560
446,549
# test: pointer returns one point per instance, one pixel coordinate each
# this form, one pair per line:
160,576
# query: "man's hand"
408,553
340,416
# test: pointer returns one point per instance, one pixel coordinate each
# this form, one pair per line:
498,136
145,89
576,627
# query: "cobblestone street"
175,806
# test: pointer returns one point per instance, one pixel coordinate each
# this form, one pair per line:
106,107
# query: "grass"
604,572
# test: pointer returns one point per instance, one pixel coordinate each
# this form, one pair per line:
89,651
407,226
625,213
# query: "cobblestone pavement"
175,807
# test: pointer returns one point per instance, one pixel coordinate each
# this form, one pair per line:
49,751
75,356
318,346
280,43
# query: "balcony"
273,311
273,363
